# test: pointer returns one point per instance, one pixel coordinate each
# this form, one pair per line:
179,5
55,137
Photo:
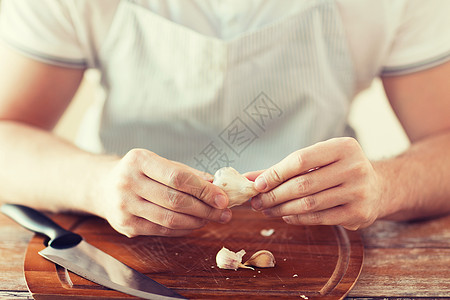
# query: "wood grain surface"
13,242
397,260
313,261
406,260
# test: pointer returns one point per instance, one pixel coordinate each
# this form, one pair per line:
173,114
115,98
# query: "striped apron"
247,102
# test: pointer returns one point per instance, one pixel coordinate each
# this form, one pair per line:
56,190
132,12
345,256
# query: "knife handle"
38,222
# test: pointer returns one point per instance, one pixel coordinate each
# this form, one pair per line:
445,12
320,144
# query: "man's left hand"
329,183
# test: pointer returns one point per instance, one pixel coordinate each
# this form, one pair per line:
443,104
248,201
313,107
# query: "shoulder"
61,32
392,35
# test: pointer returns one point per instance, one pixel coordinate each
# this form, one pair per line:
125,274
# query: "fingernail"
267,212
220,201
225,216
287,219
256,203
260,183
207,176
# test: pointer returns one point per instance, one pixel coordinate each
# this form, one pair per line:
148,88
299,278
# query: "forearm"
40,170
416,182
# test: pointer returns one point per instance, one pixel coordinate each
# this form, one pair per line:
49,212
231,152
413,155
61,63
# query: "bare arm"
417,182
139,194
33,96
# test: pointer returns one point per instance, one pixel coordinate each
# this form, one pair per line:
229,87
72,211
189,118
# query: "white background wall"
378,129
379,132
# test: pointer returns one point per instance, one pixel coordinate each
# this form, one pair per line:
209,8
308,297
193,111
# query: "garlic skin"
238,188
261,259
226,259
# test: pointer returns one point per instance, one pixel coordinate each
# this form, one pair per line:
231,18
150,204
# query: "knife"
70,251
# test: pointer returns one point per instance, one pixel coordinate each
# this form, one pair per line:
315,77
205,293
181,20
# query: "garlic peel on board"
238,188
227,259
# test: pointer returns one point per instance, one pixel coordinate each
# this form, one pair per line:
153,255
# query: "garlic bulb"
261,259
238,188
226,259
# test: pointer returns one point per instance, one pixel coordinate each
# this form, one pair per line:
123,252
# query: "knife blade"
70,251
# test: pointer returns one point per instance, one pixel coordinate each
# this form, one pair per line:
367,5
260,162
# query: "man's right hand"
145,194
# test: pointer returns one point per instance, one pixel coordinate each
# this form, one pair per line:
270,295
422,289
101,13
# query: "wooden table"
401,260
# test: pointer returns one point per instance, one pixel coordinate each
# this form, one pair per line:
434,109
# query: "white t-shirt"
384,37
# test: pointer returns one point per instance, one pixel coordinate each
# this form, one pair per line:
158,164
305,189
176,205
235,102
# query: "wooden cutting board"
311,261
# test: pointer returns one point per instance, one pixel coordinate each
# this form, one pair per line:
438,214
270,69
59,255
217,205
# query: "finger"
204,175
180,178
324,200
164,217
142,226
189,183
252,175
177,201
299,162
300,186
333,216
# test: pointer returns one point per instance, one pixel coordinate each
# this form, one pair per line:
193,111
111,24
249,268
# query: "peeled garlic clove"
238,188
267,232
261,259
226,259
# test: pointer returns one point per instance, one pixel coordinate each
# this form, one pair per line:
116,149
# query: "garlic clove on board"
267,232
227,259
261,259
238,188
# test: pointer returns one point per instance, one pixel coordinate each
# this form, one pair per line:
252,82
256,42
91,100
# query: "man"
192,85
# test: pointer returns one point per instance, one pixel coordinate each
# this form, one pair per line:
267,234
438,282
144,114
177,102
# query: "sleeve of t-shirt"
42,30
422,39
